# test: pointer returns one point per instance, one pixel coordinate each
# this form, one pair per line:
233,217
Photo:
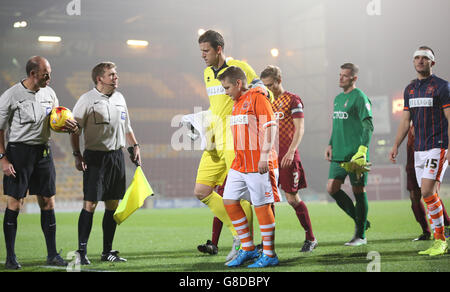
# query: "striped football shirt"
287,107
425,100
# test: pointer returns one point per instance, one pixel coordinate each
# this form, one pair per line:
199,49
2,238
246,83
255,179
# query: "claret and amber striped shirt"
287,107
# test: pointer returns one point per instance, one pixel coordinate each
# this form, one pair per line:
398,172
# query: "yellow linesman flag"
135,195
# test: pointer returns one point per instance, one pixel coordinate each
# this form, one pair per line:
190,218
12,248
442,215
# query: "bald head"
35,64
38,72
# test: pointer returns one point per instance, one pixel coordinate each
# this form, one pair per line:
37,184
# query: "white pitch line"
81,270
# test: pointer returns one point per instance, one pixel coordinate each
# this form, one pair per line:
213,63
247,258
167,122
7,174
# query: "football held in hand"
58,117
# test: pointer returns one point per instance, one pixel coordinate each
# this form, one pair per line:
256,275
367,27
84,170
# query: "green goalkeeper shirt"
352,124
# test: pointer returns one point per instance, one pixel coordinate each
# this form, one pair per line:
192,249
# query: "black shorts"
104,178
34,168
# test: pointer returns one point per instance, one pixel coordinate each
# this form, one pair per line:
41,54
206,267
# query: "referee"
103,116
27,162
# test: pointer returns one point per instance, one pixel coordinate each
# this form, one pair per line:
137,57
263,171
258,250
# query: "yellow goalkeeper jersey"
221,105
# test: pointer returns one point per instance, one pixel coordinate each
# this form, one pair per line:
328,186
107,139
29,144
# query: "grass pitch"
165,240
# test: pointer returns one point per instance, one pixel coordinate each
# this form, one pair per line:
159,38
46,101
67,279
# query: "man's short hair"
100,69
271,71
233,74
212,37
354,69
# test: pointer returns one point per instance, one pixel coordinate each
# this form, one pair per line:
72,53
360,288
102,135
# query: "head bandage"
424,53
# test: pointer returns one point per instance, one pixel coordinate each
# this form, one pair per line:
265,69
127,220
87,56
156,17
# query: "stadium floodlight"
274,52
20,24
49,39
397,105
137,43
381,142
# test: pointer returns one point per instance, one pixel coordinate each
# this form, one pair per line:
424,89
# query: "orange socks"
240,223
436,213
267,224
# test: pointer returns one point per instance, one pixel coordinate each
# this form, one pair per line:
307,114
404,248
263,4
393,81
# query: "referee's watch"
2,155
76,153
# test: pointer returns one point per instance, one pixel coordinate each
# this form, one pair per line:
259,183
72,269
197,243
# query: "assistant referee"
103,115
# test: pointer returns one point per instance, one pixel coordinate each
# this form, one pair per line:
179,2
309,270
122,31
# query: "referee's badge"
123,115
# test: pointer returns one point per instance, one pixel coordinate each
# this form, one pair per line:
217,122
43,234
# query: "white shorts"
430,164
259,189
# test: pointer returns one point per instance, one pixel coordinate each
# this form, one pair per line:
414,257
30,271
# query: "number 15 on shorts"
430,164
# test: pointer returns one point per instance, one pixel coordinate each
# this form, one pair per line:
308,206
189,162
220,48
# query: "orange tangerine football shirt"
251,114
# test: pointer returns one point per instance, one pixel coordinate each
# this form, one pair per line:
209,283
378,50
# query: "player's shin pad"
356,168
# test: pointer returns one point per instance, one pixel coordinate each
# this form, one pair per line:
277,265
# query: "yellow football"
58,117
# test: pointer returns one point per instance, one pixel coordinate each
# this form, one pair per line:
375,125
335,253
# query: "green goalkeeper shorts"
337,172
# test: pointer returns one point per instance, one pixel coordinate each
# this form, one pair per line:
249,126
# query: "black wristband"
136,145
76,153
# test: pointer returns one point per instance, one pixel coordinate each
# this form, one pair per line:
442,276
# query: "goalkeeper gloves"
358,163
358,170
360,157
